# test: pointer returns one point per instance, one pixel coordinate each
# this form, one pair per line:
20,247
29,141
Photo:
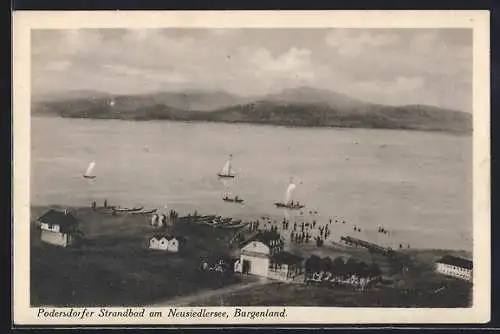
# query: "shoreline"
268,124
329,245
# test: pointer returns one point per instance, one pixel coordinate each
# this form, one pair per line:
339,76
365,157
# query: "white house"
58,228
455,266
263,256
165,243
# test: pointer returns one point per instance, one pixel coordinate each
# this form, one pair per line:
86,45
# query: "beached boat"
206,218
219,221
288,203
227,170
144,212
232,222
88,172
235,226
128,209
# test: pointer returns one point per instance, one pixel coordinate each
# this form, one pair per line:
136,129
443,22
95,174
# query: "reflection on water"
416,184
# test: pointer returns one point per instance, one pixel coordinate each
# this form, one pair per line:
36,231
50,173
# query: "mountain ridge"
302,106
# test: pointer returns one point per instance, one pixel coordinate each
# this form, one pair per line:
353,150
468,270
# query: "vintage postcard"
251,167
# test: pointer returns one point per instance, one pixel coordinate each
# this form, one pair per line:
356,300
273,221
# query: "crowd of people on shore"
305,232
302,232
299,232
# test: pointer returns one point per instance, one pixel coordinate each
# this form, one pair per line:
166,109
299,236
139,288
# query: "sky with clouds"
391,66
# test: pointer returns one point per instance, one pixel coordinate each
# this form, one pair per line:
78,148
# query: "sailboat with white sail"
288,203
90,169
227,170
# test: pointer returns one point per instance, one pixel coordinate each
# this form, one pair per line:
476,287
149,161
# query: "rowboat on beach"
234,226
118,209
143,212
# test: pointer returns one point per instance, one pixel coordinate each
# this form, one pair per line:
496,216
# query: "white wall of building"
171,245
259,266
237,266
257,253
49,227
55,238
256,247
450,270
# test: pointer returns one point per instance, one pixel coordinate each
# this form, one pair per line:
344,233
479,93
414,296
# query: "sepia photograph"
238,166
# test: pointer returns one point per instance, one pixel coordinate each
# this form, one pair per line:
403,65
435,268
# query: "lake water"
416,184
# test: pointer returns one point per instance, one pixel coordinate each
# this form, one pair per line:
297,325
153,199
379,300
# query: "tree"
374,270
362,269
351,266
327,264
338,266
313,263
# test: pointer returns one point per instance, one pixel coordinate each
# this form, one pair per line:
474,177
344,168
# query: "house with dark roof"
455,266
166,243
263,255
58,228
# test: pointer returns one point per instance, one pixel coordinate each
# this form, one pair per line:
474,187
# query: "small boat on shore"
143,212
118,209
217,221
234,226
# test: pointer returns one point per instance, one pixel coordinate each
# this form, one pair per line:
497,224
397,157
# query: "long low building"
456,267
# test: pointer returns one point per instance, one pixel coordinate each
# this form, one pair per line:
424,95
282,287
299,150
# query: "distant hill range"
301,107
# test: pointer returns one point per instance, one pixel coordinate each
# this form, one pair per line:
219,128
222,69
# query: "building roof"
168,237
456,261
66,221
159,237
286,258
265,237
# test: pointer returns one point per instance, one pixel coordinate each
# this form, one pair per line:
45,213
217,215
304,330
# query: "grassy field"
456,294
114,267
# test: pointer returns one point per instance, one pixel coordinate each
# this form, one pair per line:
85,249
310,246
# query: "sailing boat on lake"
288,203
88,173
227,170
